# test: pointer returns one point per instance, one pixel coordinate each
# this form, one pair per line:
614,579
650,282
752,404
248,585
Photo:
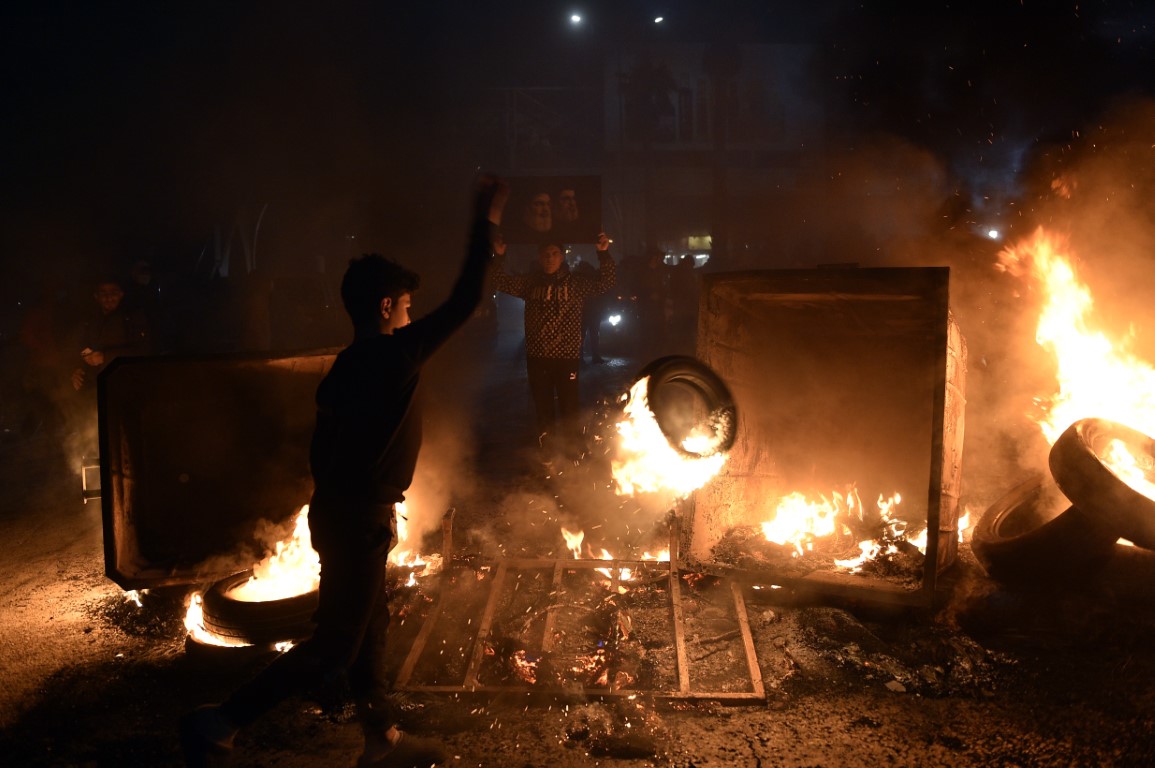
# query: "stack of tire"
1021,540
256,623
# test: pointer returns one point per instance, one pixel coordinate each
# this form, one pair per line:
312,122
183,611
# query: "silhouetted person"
554,299
107,332
362,457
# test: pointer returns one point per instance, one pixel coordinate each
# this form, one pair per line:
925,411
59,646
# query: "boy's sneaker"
409,752
205,737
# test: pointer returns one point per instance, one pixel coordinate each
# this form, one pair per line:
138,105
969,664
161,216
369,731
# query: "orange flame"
194,623
293,568
405,557
1132,470
573,541
798,521
1097,377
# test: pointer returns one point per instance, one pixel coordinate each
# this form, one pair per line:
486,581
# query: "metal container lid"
195,451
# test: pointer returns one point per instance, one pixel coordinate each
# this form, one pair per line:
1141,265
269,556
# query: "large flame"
1097,377
798,521
293,568
645,460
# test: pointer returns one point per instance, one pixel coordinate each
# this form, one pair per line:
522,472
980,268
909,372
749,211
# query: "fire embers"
582,633
593,645
582,627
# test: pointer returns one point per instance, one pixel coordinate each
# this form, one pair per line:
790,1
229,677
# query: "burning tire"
680,390
1031,535
1077,464
257,623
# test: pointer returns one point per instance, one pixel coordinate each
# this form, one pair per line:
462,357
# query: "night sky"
131,131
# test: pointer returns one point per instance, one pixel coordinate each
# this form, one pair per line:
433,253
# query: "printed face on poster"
564,209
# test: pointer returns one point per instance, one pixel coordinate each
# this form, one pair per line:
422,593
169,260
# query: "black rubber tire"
1088,483
257,623
1028,538
668,374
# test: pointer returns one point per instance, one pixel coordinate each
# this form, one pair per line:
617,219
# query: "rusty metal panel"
194,451
840,376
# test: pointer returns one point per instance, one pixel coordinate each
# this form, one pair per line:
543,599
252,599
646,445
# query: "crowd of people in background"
71,332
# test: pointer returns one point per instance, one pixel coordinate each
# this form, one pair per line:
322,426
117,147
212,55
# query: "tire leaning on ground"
257,623
681,374
1077,466
1028,538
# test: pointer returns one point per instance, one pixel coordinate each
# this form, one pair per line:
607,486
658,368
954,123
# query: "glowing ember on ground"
525,667
292,569
870,551
645,461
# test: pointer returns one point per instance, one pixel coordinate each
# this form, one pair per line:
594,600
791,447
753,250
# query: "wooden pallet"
501,570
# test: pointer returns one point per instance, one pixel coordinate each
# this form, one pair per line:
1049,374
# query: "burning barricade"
273,602
844,478
1097,421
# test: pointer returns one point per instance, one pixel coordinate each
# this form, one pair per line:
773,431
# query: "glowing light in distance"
575,18
659,20
993,234
614,319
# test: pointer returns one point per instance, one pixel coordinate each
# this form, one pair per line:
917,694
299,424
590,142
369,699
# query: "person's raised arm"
500,279
431,331
607,268
489,201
